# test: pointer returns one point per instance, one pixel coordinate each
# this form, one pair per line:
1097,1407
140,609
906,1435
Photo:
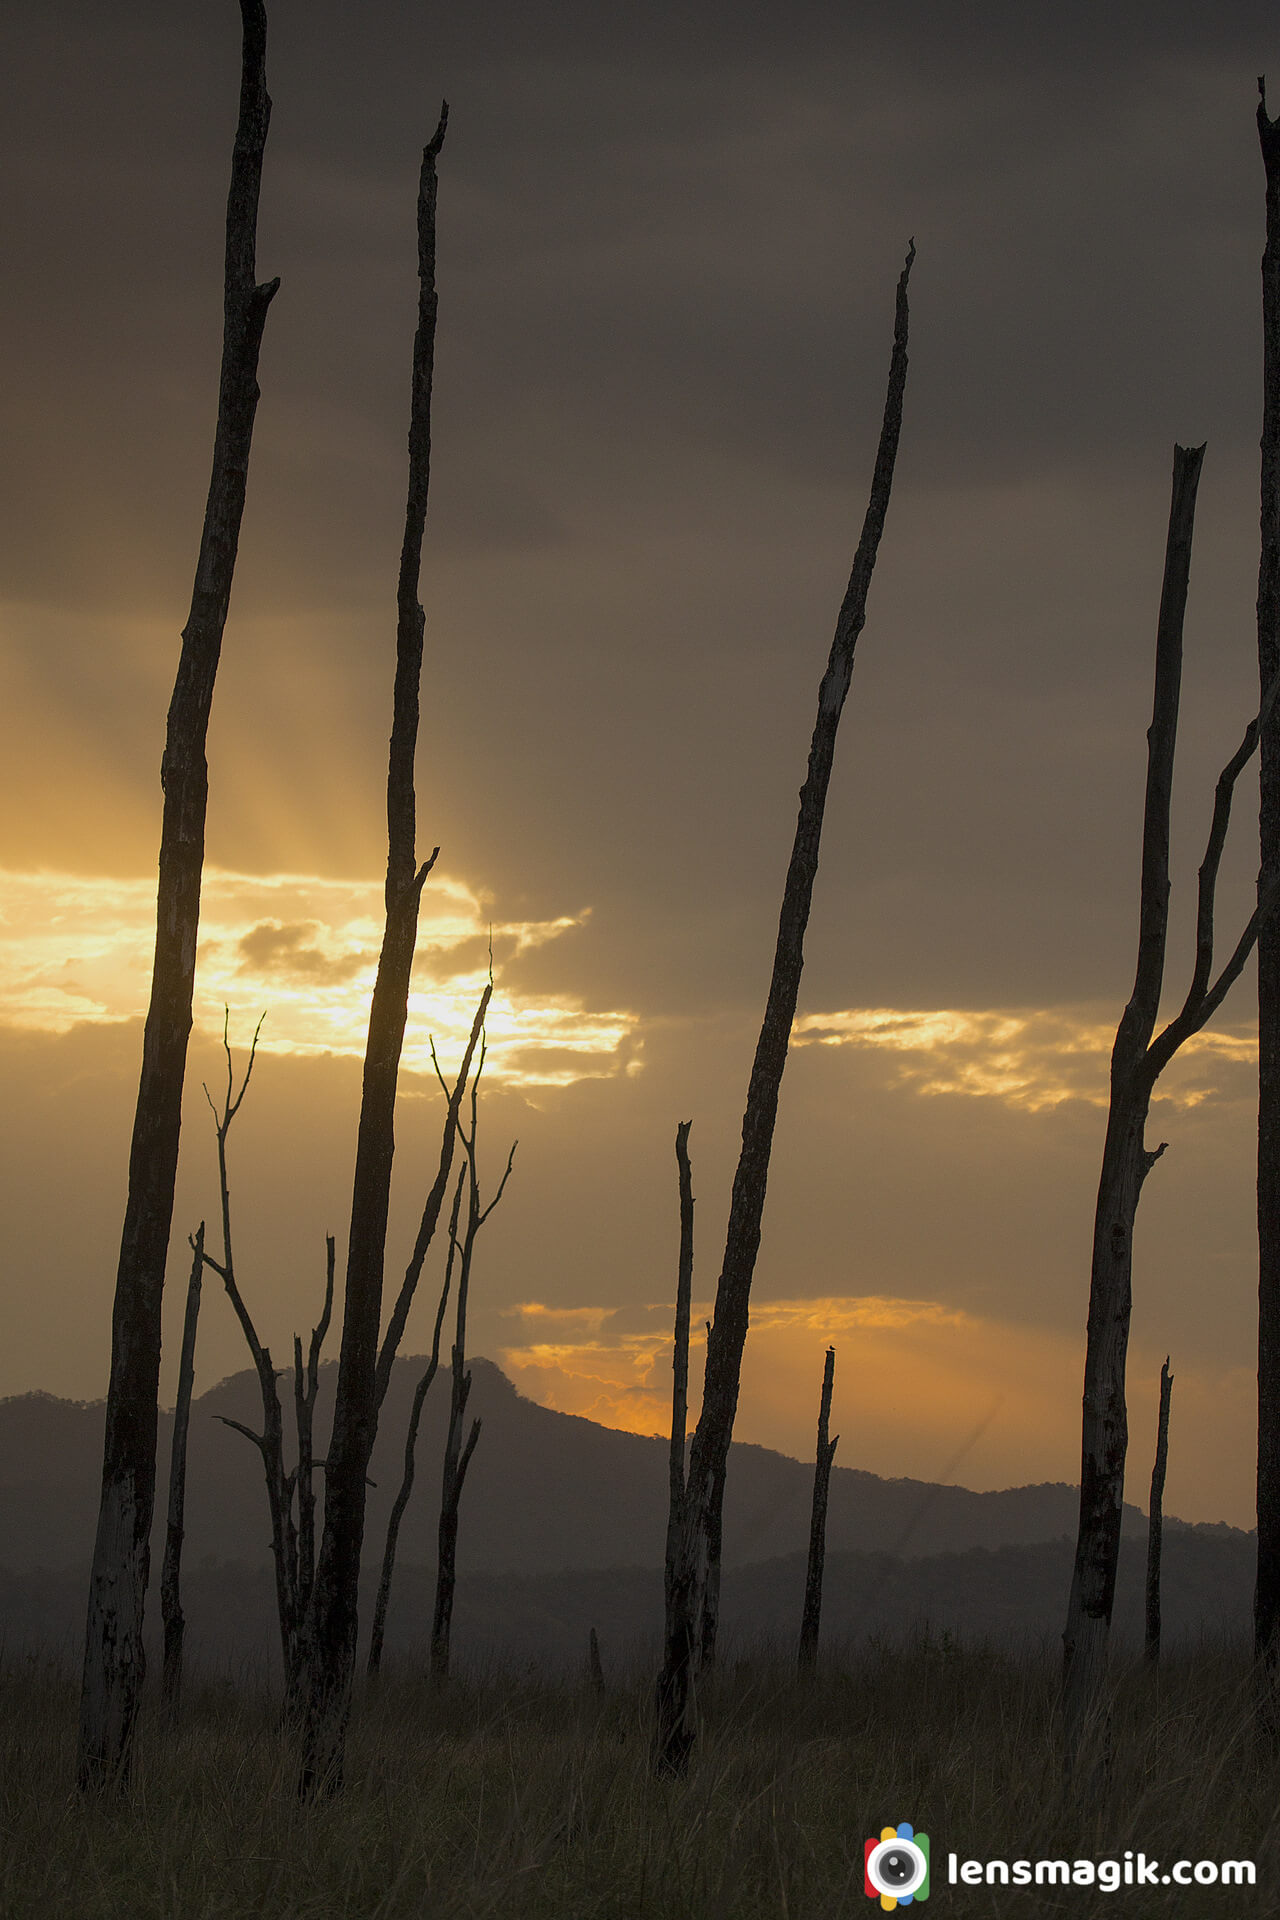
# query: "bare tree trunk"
457,1458
812,1616
270,1442
1155,1519
306,1390
1267,1591
704,1487
355,1418
674,1729
113,1662
378,1633
171,1570
595,1666
431,1208
1136,1062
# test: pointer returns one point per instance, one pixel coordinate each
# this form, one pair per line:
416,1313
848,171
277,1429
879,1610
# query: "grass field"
512,1797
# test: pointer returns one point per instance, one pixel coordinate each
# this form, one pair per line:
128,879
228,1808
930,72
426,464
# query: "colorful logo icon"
898,1866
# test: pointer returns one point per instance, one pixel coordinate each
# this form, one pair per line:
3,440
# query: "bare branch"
240,1427
501,1186
431,1208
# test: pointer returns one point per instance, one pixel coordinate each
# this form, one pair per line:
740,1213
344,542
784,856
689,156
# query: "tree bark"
1126,1162
1136,1062
812,1616
171,1569
355,1415
704,1487
674,1729
1155,1519
113,1662
1267,1590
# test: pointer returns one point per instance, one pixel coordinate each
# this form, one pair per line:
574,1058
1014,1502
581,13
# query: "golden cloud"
1034,1059
78,948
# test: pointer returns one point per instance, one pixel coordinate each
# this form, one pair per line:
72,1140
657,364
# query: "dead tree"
457,1455
171,1613
113,1659
355,1418
595,1666
306,1390
411,1447
1137,1059
431,1207
812,1616
1155,1519
708,1456
1266,1606
674,1723
280,1481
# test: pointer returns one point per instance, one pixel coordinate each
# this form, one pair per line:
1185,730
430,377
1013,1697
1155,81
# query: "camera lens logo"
898,1866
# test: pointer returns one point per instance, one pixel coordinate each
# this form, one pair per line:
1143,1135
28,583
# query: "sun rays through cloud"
78,948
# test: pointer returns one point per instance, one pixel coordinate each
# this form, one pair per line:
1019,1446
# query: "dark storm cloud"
668,242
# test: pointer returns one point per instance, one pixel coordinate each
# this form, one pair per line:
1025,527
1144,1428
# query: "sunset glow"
1034,1059
78,948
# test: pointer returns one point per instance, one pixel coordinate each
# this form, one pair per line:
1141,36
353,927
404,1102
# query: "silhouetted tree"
1267,1591
812,1616
708,1456
292,1535
674,1724
113,1661
355,1417
431,1206
457,1455
1137,1059
401,1501
1155,1518
171,1614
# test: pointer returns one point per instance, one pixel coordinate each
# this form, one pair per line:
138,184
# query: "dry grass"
520,1799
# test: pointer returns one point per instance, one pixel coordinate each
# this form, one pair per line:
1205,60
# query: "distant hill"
547,1492
563,1524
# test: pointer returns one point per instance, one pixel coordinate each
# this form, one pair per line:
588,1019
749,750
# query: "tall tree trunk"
812,1616
401,1501
1155,1519
704,1487
1136,1062
171,1569
113,1662
1125,1161
306,1391
1267,1591
674,1728
355,1415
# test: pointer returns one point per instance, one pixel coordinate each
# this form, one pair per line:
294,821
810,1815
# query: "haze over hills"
562,1528
546,1492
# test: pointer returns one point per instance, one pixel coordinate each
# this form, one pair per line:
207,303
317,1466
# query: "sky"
668,243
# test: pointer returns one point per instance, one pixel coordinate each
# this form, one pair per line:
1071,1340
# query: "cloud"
1035,1059
77,948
